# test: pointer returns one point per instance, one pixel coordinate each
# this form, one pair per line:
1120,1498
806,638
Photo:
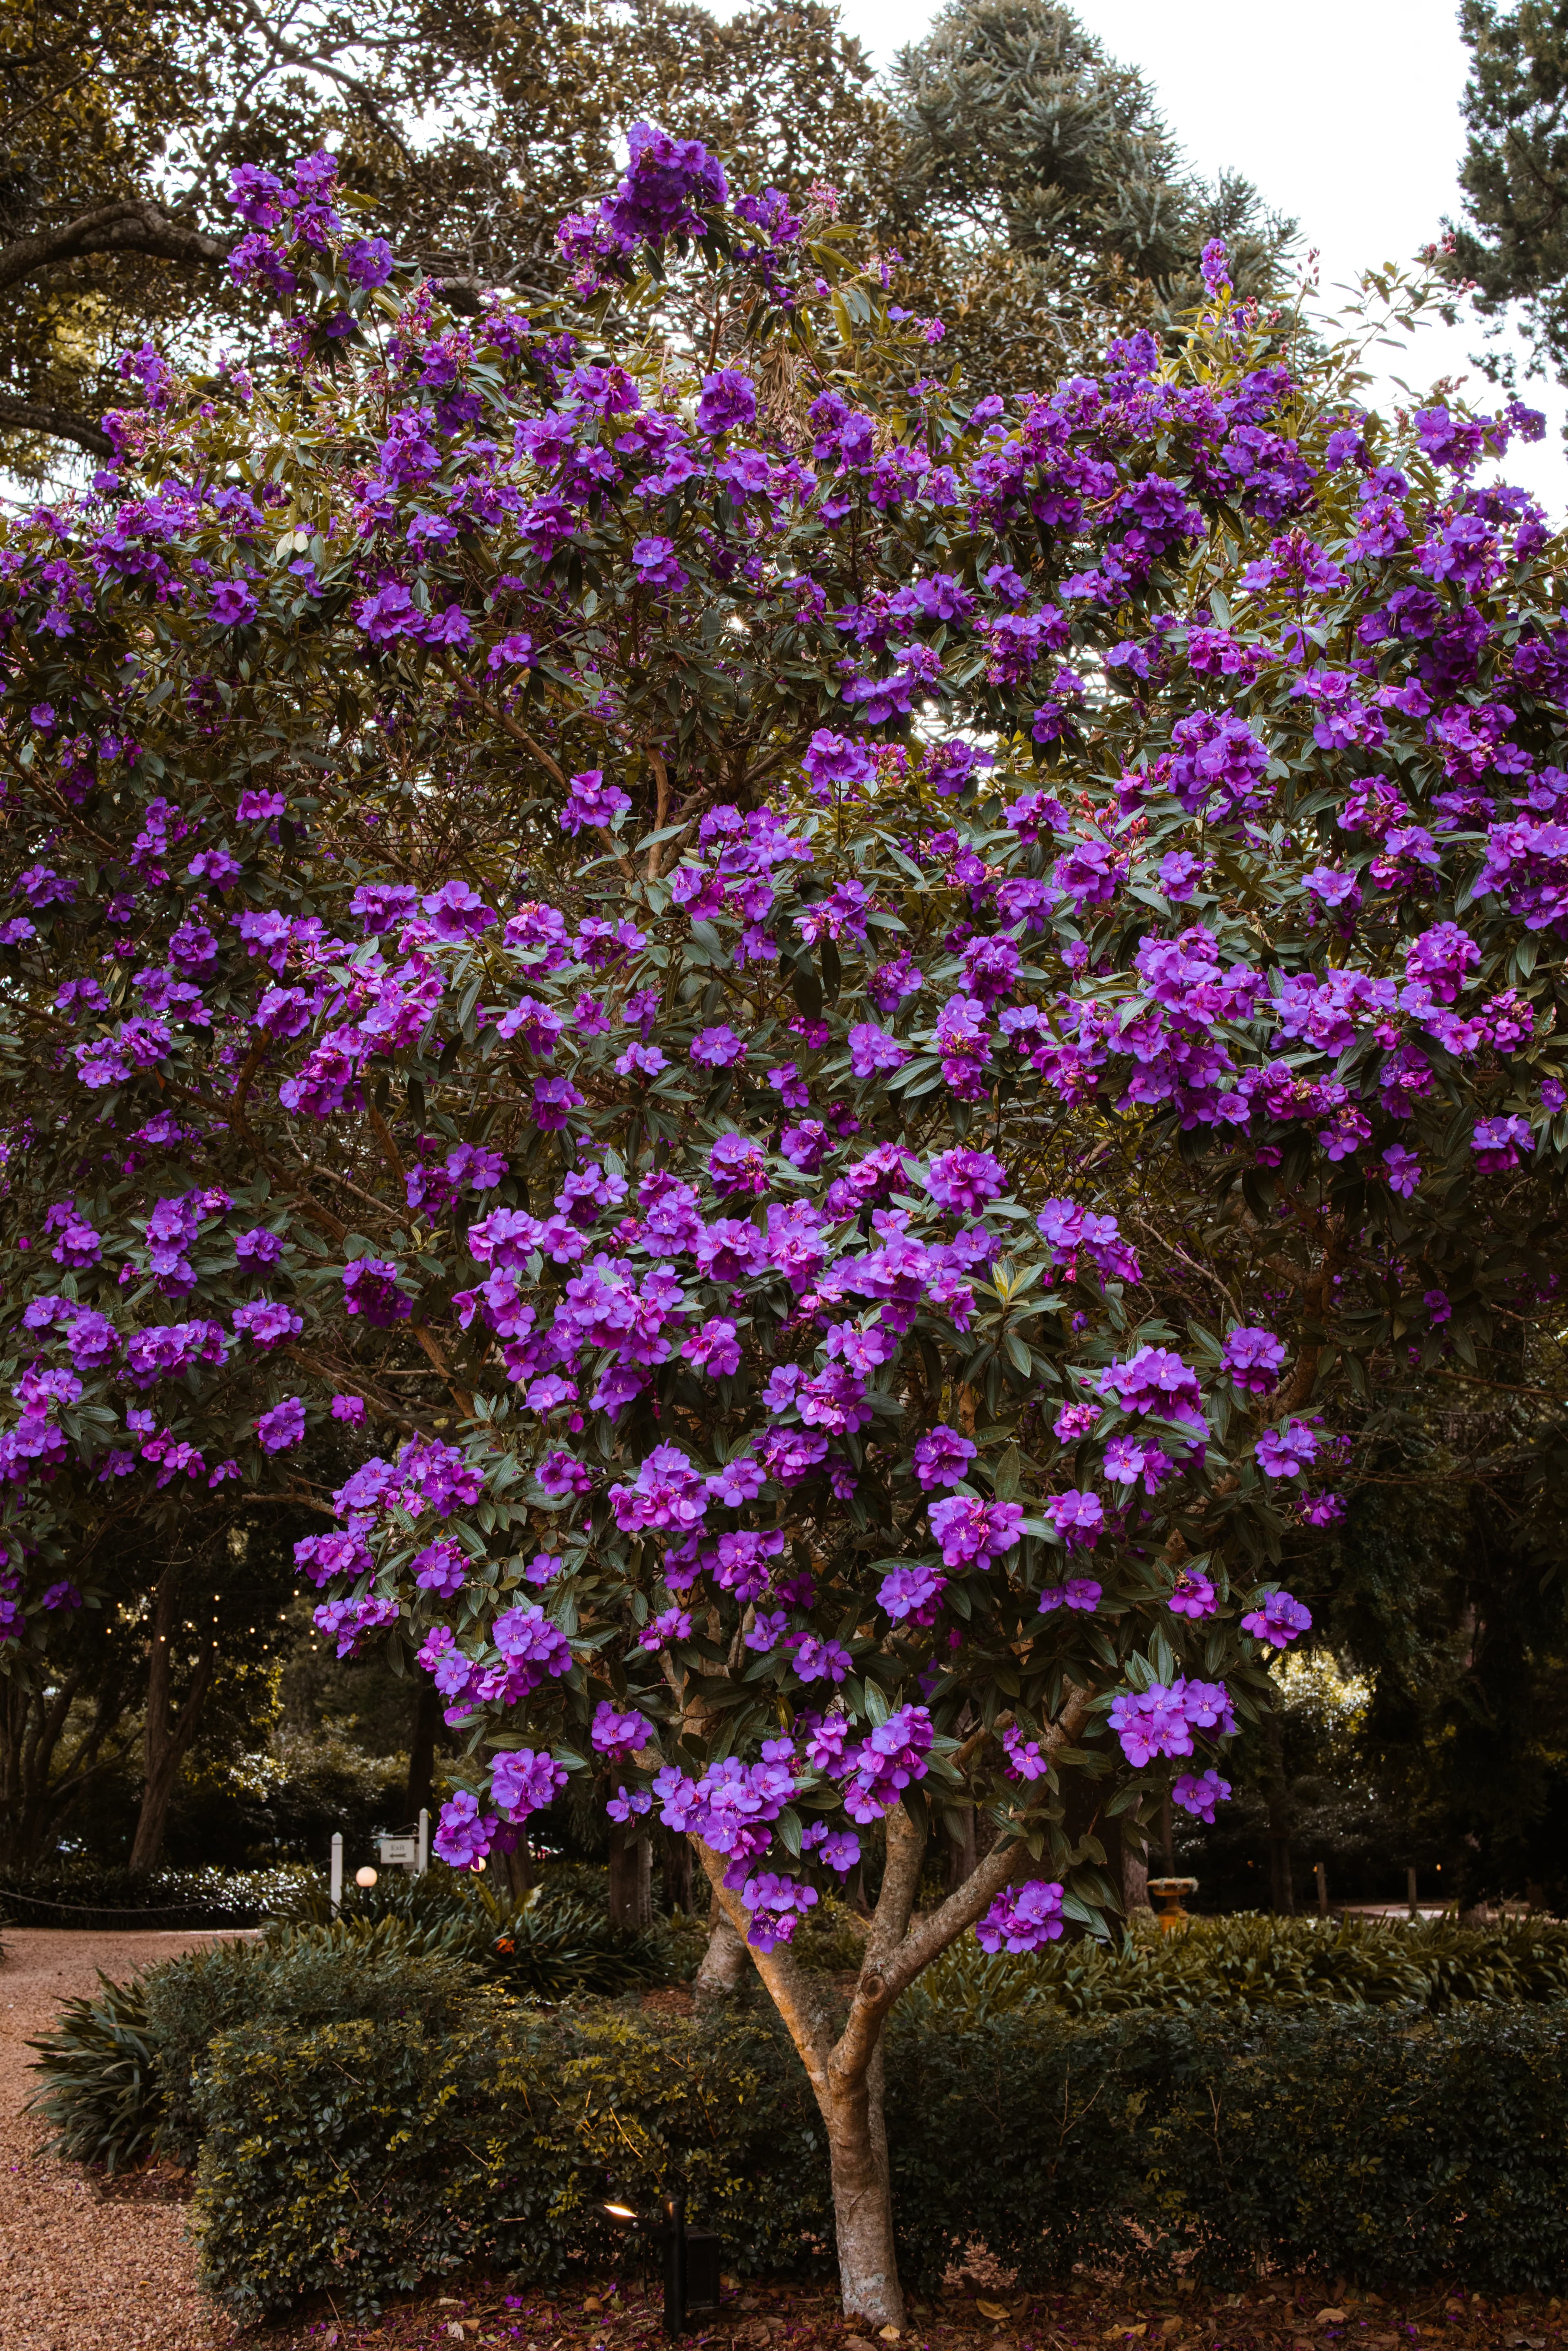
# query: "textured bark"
519,1869
58,423
722,1969
168,1734
630,1880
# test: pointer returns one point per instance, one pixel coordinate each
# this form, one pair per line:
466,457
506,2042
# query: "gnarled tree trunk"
631,1880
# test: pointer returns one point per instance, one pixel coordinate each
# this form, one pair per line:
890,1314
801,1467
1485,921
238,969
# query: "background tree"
1511,247
1042,199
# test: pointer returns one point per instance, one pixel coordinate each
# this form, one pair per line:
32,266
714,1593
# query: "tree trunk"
1134,1880
631,1880
676,1873
1281,1890
421,1749
863,2196
520,1873
723,1968
167,1741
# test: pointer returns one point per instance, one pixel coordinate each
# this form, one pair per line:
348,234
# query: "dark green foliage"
300,1978
1239,1966
1364,2146
100,2094
362,2159
1041,198
1514,243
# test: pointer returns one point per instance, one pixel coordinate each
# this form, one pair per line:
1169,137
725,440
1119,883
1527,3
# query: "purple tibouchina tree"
577,932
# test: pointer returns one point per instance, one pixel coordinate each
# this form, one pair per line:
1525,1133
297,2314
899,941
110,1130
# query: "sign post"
336,1882
424,1862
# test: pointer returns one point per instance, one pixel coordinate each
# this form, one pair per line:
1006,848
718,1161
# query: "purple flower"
1497,1142
1077,1517
463,1833
872,1048
969,1532
1193,1593
718,1049
282,1426
1278,1621
776,1905
457,912
1285,1452
1160,1720
1026,1761
965,1179
912,1592
524,1781
1199,1795
941,1458
1025,1918
1252,1357
1404,1170
819,1660
1078,1591
441,1567
728,402
657,566
617,1737
1156,1380
368,261
370,1288
231,603
737,1165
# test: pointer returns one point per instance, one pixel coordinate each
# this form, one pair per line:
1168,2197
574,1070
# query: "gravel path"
80,2271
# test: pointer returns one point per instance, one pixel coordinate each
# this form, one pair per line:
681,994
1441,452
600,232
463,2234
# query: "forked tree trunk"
845,2066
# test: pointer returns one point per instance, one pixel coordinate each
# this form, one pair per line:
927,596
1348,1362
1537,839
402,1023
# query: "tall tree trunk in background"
168,1735
519,1869
631,1880
676,1873
1281,1890
421,1749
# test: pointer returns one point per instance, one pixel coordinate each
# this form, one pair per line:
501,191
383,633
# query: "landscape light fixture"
688,2257
365,1878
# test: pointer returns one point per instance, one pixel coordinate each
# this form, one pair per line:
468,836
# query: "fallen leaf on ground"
993,2310
1330,2319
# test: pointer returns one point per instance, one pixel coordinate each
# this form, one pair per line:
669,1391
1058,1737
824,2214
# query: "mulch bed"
624,2316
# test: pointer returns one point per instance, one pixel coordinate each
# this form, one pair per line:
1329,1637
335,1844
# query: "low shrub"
1369,2145
1253,1964
83,1894
1398,2151
556,1942
361,2159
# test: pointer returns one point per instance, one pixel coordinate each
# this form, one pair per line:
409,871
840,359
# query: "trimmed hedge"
363,2158
1394,2150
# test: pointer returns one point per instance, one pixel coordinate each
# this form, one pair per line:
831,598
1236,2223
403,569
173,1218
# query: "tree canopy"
795,1047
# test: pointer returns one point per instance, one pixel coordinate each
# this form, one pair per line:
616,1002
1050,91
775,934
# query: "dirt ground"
81,2272
85,2266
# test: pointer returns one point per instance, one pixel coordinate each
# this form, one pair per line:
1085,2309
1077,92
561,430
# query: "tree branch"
58,423
132,226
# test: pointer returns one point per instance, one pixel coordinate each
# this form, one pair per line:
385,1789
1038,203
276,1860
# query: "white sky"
1345,113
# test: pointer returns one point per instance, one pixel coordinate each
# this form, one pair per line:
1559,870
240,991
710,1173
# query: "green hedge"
1377,2147
363,2158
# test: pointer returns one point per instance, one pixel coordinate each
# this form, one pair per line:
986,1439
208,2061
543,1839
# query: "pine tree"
1513,244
